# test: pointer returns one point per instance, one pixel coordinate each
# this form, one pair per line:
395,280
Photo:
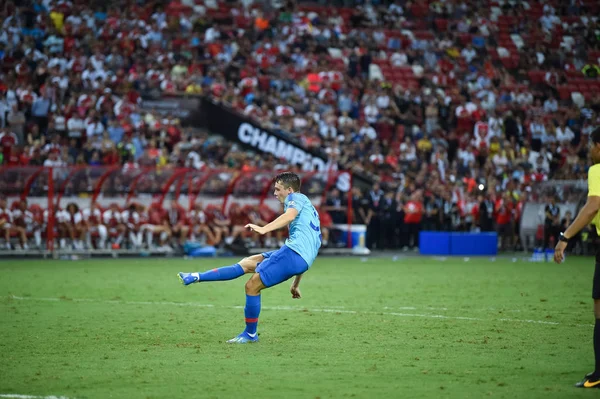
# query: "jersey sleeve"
294,201
594,181
77,218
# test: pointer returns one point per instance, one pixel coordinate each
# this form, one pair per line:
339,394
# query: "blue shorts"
280,265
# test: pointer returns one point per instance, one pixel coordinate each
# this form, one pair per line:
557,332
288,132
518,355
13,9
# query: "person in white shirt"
97,60
328,130
468,53
371,112
131,218
548,21
92,217
500,161
524,98
345,120
550,105
24,223
75,126
564,134
537,131
93,127
211,34
395,9
468,107
495,124
398,59
368,131
54,160
382,101
408,150
466,155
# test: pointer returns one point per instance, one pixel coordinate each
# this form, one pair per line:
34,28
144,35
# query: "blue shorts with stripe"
278,266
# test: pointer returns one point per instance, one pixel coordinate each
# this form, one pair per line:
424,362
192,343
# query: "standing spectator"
564,134
373,222
40,109
504,207
413,213
486,213
387,211
336,206
551,222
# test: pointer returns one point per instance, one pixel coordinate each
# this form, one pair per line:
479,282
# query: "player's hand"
295,292
255,228
559,251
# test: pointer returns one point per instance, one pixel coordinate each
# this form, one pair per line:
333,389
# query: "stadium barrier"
354,236
50,189
570,196
454,243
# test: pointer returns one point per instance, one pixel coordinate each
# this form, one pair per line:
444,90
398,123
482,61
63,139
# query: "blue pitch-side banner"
454,243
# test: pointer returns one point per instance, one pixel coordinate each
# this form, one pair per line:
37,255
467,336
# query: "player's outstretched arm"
294,288
282,221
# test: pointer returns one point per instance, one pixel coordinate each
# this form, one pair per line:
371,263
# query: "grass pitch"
410,328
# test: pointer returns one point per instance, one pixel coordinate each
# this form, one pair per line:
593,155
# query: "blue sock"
251,312
222,273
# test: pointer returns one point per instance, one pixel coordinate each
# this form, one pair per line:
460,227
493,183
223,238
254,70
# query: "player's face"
281,192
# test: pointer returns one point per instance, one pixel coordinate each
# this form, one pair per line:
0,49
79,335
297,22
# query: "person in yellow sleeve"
589,214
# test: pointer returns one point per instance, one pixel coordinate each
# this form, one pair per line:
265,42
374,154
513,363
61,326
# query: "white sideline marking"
293,308
17,396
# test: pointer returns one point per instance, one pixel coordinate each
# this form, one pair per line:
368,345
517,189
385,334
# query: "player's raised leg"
246,265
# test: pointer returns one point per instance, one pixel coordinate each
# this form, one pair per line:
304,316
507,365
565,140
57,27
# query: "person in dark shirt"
387,212
574,242
374,196
486,214
360,206
337,205
431,217
551,222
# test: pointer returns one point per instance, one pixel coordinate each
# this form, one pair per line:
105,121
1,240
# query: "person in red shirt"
239,218
504,220
517,213
413,213
157,223
7,140
6,221
179,222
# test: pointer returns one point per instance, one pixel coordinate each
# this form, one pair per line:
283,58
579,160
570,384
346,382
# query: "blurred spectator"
478,95
551,222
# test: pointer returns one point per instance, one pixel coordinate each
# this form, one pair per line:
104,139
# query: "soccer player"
589,214
271,268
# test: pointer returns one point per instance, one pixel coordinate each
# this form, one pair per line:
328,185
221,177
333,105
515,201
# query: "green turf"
129,329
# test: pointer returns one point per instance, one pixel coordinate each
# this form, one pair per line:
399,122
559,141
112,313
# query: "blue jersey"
305,229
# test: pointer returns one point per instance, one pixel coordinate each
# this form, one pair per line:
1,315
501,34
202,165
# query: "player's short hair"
289,180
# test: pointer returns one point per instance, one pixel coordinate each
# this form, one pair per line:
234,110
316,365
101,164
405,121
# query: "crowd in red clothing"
137,227
435,96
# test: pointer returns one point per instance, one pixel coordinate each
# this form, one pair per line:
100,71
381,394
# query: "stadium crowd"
455,108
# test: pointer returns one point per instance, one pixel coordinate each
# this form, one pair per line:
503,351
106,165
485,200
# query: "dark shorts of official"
280,265
595,240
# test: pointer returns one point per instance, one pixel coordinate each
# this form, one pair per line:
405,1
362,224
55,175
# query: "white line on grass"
292,308
17,396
